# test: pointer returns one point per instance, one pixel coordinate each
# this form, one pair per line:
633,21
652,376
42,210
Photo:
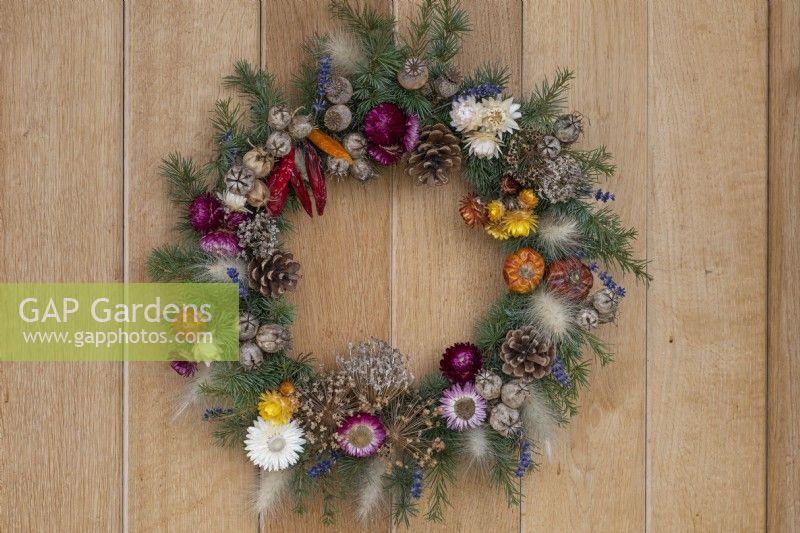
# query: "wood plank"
445,273
707,223
345,254
595,479
61,221
783,483
177,54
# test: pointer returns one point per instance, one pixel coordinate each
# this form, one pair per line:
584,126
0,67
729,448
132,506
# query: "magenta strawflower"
206,213
461,362
361,435
462,407
184,368
220,243
390,132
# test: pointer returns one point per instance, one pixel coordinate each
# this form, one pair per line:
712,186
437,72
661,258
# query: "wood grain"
446,274
706,227
177,54
783,484
61,220
595,479
345,254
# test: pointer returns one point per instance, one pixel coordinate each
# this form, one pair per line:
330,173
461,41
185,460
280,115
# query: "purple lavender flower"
323,79
416,483
525,458
559,373
603,196
484,90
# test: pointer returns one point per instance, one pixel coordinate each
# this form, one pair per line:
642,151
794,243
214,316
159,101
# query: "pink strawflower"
411,138
461,362
462,407
206,213
221,243
361,435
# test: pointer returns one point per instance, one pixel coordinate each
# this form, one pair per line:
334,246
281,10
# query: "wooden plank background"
695,427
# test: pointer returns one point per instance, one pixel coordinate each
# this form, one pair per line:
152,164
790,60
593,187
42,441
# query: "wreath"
365,429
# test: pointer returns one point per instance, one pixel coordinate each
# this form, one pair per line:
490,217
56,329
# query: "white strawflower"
499,116
483,144
466,114
274,447
234,202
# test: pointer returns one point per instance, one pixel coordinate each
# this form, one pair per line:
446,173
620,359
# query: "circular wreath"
365,426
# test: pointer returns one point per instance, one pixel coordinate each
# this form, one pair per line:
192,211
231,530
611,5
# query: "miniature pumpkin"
523,270
570,277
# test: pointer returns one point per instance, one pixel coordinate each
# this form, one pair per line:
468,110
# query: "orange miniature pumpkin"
523,270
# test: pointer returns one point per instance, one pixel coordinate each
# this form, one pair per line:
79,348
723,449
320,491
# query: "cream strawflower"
466,114
483,144
274,447
499,116
234,202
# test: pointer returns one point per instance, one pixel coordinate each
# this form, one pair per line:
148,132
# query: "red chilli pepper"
316,178
278,183
298,184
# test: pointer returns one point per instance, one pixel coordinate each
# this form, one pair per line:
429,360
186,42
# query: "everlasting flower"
466,114
184,368
520,222
483,144
234,202
206,213
462,407
390,132
497,231
276,408
220,243
461,362
379,372
274,447
499,116
495,210
361,435
528,198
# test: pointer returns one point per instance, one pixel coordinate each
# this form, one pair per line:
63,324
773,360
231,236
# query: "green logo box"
119,322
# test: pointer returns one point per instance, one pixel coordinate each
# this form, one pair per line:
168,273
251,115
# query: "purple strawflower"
323,79
206,213
184,368
416,483
461,362
559,373
390,132
220,243
525,458
361,435
462,407
484,90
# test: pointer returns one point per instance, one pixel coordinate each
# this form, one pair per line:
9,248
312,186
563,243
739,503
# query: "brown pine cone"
274,276
436,155
526,354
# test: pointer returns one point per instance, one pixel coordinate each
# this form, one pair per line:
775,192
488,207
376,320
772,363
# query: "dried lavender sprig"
525,458
323,79
604,196
234,275
559,372
416,483
484,90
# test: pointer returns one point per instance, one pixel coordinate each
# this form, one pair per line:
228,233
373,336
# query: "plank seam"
648,176
768,266
125,253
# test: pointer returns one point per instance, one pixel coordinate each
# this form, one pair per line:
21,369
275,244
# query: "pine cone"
274,276
526,354
437,153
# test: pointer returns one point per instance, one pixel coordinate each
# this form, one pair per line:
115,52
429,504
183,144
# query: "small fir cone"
274,276
339,90
338,117
448,84
239,180
272,338
549,146
473,210
436,155
526,354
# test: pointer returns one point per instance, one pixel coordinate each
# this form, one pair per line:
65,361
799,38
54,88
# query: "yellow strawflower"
520,222
275,408
496,230
495,210
528,198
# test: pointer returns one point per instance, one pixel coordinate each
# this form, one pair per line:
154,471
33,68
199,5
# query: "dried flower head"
258,237
379,372
408,422
325,403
